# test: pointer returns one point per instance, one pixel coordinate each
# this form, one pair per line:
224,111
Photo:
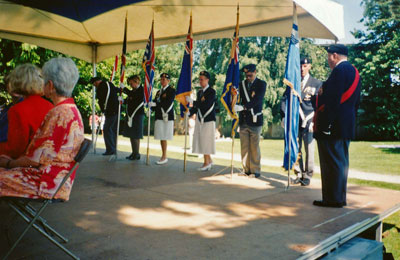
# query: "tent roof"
74,27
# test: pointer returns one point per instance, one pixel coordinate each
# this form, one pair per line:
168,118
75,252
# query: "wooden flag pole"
233,143
289,139
148,135
185,147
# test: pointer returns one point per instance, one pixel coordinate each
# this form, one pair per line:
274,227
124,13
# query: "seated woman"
25,117
51,153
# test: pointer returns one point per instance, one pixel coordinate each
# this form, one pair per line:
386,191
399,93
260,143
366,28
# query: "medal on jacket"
253,94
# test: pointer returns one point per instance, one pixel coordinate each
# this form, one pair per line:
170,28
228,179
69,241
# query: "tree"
377,56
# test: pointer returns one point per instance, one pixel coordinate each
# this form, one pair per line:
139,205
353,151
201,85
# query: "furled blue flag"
230,91
148,66
292,80
184,87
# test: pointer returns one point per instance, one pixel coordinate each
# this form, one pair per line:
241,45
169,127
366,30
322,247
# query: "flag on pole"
292,80
123,56
148,66
184,87
114,68
230,91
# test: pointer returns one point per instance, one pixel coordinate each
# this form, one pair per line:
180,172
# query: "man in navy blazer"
251,92
336,107
304,169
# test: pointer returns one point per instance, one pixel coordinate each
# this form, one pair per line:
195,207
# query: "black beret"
205,74
249,68
305,60
164,75
338,48
94,79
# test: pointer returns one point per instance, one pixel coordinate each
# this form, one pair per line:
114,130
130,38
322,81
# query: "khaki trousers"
250,148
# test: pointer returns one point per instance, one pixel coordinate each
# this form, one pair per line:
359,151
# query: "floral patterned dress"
54,146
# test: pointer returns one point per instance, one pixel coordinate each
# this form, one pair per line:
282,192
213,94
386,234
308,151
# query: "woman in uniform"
134,115
204,130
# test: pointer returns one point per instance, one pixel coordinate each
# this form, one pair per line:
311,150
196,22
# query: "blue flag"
184,87
231,86
292,80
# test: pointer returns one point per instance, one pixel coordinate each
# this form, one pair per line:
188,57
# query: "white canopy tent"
100,37
94,29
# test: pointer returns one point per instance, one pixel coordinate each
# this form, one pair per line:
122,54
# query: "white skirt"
204,137
163,130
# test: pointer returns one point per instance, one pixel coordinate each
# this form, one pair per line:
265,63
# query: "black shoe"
130,157
254,175
136,157
108,153
295,181
321,203
305,181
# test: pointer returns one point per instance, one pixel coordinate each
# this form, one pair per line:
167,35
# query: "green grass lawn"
391,235
363,156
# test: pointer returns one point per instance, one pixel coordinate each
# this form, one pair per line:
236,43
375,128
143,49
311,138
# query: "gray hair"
63,73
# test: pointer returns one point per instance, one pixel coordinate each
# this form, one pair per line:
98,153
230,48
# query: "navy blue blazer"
112,103
309,91
204,101
134,99
336,118
164,100
256,95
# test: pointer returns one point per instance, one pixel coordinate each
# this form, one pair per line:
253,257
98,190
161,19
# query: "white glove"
121,85
189,99
311,127
120,98
152,104
238,108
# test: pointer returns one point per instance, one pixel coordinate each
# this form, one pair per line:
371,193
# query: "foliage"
212,55
378,58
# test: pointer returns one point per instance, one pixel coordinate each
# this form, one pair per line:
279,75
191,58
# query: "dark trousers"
305,165
334,162
110,133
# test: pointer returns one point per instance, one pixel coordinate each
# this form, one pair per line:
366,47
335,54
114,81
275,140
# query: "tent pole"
94,56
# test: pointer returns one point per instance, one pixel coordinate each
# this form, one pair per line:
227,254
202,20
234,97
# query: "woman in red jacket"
25,117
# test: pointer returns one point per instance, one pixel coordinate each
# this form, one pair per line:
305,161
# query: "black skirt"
136,131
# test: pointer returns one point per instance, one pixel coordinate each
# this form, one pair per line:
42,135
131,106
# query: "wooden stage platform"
127,210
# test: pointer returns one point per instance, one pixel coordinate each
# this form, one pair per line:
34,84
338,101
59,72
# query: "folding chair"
22,207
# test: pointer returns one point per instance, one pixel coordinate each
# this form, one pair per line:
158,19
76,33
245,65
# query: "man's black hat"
338,48
205,74
249,68
164,75
94,79
305,60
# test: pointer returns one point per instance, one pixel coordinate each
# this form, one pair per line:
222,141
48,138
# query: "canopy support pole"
94,57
